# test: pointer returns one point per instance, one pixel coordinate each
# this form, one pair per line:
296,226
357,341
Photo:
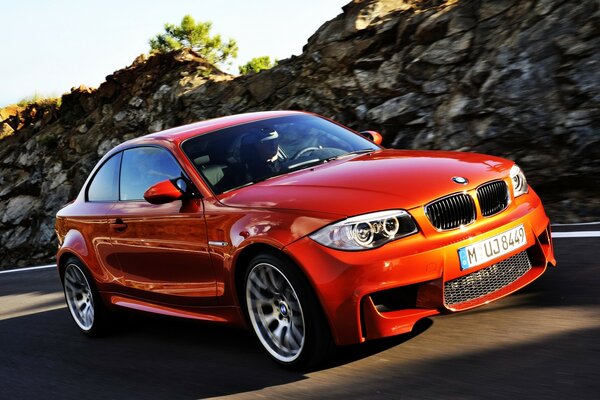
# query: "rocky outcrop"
14,118
518,79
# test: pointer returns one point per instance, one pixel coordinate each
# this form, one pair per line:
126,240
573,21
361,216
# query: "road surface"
540,343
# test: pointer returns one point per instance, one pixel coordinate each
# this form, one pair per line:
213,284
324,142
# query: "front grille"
451,211
493,197
487,280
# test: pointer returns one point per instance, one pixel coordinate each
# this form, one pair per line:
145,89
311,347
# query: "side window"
105,184
142,167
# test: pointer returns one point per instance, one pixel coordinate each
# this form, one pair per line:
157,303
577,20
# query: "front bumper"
385,291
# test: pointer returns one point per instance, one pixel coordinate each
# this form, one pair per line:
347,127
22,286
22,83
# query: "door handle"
118,225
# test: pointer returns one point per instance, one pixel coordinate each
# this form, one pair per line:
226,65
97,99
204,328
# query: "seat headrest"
202,160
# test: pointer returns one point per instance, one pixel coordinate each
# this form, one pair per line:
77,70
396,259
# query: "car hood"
381,180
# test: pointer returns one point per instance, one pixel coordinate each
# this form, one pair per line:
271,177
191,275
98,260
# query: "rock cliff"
519,79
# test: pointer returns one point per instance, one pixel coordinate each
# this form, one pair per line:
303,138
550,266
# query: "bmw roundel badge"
460,180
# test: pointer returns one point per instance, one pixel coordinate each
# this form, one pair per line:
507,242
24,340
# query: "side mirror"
373,136
164,192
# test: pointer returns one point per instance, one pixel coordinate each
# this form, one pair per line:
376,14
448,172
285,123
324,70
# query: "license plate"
485,250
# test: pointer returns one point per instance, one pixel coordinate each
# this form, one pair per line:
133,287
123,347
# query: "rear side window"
105,185
142,167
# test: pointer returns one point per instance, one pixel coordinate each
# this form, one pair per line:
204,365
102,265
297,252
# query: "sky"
48,47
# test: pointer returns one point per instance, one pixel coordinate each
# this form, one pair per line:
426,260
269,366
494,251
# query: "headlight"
366,231
519,183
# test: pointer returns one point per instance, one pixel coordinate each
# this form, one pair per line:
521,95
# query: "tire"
284,312
83,300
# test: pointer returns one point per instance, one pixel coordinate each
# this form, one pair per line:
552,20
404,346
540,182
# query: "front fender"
232,230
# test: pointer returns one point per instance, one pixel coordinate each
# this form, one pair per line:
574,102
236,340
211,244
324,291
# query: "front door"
162,249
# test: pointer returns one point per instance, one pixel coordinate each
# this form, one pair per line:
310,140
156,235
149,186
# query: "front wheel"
284,312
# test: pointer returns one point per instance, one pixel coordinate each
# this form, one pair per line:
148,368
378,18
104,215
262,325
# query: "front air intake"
485,281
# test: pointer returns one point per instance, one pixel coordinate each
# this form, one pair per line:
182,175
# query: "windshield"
244,154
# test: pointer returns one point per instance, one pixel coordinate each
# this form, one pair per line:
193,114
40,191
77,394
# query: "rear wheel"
284,312
83,300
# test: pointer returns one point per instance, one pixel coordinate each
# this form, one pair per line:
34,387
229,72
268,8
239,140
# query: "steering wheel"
303,151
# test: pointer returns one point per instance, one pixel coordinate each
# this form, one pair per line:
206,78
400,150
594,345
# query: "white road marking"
578,224
555,235
28,268
583,234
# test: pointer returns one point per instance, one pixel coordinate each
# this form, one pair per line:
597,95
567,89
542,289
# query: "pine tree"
257,64
196,36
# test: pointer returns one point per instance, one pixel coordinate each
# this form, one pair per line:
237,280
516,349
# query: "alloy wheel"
275,312
78,294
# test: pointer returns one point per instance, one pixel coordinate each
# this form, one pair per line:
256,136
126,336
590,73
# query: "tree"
257,64
195,36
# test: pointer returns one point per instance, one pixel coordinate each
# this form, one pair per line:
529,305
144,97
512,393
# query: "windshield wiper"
361,151
302,163
316,161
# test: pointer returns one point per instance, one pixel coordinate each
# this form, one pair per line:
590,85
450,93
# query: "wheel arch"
76,245
61,262
241,263
240,266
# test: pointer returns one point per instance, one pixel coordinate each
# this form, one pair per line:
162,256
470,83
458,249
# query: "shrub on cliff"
194,35
39,99
257,64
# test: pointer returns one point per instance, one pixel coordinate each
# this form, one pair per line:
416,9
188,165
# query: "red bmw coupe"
298,227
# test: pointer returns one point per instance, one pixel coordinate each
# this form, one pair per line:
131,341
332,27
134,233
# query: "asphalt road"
540,343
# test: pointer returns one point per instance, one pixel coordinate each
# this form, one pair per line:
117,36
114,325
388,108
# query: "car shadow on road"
146,356
223,337
347,354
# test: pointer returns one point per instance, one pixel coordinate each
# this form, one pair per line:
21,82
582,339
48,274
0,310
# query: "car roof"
181,133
